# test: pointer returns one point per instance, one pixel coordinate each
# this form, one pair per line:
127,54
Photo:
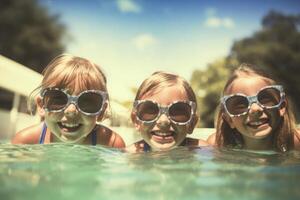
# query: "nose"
255,109
71,110
163,121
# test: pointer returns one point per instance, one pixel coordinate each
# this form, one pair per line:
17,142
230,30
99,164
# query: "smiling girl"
164,112
255,113
72,100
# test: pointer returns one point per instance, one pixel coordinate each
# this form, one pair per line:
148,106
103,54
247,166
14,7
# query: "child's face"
258,122
163,133
66,121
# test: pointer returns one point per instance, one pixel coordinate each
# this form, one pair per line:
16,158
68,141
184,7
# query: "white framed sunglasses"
178,112
88,102
268,97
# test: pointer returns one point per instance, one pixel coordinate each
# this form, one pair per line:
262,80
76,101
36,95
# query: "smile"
258,123
163,134
69,127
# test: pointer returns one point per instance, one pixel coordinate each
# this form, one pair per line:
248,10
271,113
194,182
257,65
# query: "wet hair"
159,80
283,139
73,73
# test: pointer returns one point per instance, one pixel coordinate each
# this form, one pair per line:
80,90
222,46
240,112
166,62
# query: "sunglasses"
179,112
267,98
89,102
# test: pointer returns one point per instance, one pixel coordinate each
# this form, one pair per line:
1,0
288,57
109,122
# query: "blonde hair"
72,72
283,139
159,80
67,71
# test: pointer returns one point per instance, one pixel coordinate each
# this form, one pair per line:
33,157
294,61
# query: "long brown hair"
283,139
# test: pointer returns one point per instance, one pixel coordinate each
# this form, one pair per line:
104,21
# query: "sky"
131,39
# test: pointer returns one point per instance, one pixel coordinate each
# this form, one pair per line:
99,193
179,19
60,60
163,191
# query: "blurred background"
130,39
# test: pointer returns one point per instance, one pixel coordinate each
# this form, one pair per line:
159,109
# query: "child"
255,114
73,98
164,112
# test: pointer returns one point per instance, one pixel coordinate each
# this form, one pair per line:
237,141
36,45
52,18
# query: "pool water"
61,171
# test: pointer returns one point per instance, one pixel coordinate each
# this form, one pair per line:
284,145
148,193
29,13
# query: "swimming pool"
60,171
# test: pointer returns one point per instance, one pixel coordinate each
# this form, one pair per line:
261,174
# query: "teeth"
163,133
70,125
258,123
255,123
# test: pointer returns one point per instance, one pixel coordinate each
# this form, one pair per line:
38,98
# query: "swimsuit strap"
43,134
94,137
146,147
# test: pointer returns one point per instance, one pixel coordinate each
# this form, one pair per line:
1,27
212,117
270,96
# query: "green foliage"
276,49
29,34
208,85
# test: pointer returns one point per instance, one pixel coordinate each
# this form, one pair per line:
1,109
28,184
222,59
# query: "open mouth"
163,134
163,137
258,123
69,127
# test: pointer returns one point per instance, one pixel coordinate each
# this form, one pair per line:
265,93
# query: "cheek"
89,119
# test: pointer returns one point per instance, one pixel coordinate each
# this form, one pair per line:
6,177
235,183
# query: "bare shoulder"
195,142
110,138
297,140
29,135
135,147
211,139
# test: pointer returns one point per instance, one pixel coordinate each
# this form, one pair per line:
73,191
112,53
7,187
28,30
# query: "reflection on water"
60,171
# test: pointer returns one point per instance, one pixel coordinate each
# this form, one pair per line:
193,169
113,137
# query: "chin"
165,146
262,134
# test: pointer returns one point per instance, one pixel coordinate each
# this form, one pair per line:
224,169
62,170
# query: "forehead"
167,95
247,85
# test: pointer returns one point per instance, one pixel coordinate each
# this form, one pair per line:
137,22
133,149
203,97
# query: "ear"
39,104
228,119
192,124
282,108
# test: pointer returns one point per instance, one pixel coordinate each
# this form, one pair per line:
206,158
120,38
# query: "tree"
276,49
29,34
208,85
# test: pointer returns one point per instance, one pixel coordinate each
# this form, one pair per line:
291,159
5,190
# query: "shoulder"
29,135
109,137
211,139
195,142
135,147
297,140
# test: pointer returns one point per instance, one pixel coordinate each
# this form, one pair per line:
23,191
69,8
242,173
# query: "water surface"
60,171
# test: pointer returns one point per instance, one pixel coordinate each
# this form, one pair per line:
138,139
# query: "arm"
211,139
118,141
297,140
135,147
29,135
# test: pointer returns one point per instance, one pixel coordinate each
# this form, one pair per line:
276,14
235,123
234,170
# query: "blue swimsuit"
44,131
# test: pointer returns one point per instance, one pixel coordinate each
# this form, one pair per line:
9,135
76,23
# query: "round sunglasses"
268,97
179,112
88,102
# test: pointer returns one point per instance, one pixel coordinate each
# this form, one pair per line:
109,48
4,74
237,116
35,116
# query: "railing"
18,81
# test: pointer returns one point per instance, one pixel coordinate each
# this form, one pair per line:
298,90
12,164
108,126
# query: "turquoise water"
60,171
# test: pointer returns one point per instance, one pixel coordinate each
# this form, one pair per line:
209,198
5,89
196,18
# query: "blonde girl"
72,100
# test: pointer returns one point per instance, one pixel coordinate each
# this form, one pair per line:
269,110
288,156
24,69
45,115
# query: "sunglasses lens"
147,111
269,97
180,112
90,102
237,105
55,100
